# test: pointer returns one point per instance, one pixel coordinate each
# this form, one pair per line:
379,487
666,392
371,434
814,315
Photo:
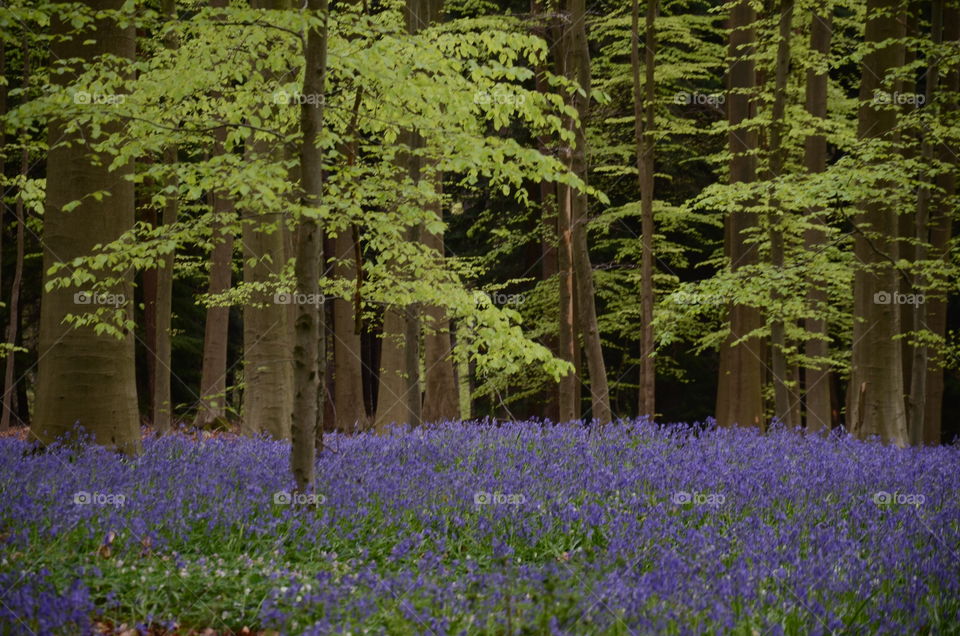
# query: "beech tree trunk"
817,378
941,231
267,332
740,386
85,378
309,353
162,401
440,397
351,415
784,399
213,376
875,400
13,325
645,121
577,67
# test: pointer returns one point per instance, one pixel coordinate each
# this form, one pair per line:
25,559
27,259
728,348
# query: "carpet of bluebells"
520,528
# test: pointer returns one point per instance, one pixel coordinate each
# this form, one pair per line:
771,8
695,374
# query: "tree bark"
644,116
440,403
162,401
816,377
784,399
13,325
85,378
309,354
877,367
213,375
739,392
213,382
941,231
267,333
577,67
351,415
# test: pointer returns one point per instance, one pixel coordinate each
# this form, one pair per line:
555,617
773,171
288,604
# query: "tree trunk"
85,378
941,230
784,399
875,404
309,353
267,334
213,382
351,415
816,378
644,116
393,406
577,67
13,324
920,355
440,402
739,391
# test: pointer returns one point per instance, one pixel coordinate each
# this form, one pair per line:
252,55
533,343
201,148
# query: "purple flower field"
476,529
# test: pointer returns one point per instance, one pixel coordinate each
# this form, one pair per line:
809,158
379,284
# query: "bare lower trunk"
439,383
740,386
941,230
347,364
875,398
213,376
85,378
643,128
393,405
784,399
14,324
816,376
577,67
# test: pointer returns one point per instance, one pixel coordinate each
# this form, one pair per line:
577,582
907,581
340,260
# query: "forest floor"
462,528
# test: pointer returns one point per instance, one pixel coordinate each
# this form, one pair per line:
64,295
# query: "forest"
479,316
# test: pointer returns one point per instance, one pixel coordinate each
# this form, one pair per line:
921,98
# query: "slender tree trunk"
739,392
547,195
162,401
816,377
213,375
920,356
577,67
875,404
309,354
645,121
213,382
941,230
14,323
784,399
85,378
